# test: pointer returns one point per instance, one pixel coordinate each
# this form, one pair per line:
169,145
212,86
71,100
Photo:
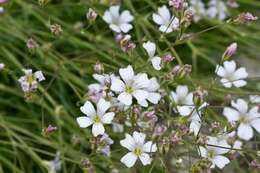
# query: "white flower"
231,76
214,151
131,86
153,95
246,118
164,19
150,48
198,7
138,149
254,99
96,118
183,100
29,82
2,66
54,165
217,9
118,22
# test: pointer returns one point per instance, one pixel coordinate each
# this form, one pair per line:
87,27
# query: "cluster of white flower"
130,93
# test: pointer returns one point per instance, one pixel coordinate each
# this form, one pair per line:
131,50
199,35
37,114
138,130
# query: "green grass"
67,61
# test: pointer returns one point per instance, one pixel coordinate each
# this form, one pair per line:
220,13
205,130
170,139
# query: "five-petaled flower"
245,117
138,149
230,75
118,22
96,118
131,86
29,82
167,22
214,151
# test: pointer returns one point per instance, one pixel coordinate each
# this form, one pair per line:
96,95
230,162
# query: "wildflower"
230,51
126,43
246,118
31,44
54,165
167,22
254,99
231,76
131,86
150,48
49,130
217,9
160,129
56,29
245,18
214,151
198,8
29,82
91,14
2,66
118,22
104,143
168,58
183,100
96,118
177,4
138,149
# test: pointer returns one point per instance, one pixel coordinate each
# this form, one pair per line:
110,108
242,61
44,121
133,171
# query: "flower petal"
256,124
185,110
84,121
108,117
240,73
139,137
157,19
145,159
127,73
231,114
129,159
140,95
115,28
203,152
230,66
239,83
156,62
88,109
154,97
125,98
221,161
126,17
128,142
220,71
150,48
98,129
164,13
125,27
149,147
240,105
117,85
102,106
245,132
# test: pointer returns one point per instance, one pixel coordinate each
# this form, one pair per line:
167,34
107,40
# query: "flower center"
138,151
97,119
129,89
243,119
30,79
211,154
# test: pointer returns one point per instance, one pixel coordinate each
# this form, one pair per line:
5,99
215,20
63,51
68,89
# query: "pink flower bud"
168,58
245,18
177,4
231,50
91,14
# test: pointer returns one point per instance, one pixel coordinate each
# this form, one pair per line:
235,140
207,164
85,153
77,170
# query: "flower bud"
98,68
245,17
177,4
43,2
31,44
56,29
254,165
2,10
49,130
91,15
232,3
168,58
199,96
125,42
230,51
2,66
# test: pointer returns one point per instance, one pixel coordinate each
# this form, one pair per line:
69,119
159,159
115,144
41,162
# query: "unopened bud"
177,4
168,58
49,130
91,14
199,96
31,44
43,2
56,29
98,68
230,51
245,18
